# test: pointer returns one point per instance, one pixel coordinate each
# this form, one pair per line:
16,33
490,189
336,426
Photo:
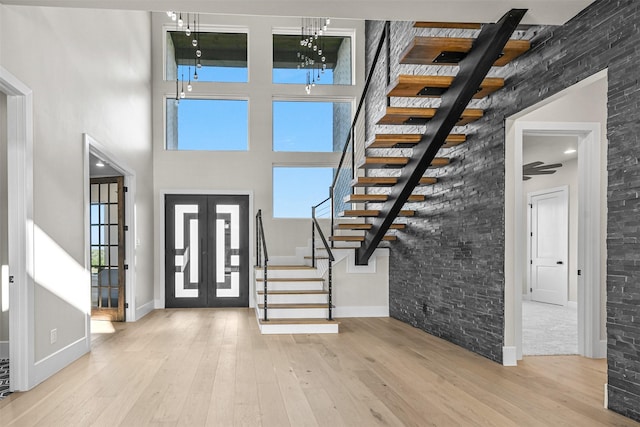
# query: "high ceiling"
543,12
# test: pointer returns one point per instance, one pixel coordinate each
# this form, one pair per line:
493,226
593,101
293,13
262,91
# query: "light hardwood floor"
212,367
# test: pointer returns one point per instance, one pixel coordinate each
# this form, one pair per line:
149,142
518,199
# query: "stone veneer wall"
446,270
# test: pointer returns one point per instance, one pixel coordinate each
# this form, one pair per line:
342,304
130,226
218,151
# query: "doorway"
107,248
579,112
206,251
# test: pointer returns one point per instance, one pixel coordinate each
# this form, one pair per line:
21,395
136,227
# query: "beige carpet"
549,329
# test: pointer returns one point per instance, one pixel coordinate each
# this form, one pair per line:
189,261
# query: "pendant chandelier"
310,55
192,31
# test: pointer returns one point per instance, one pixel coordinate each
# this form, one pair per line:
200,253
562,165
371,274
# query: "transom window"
291,61
223,57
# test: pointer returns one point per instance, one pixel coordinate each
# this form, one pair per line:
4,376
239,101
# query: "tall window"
296,189
208,124
310,126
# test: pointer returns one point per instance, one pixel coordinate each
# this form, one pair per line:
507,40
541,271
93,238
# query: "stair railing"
350,145
316,226
261,248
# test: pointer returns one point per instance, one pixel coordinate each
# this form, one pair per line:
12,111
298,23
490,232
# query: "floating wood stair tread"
386,181
294,293
388,238
296,321
458,25
409,140
292,279
419,116
284,305
379,198
286,267
372,213
435,86
365,226
396,162
450,50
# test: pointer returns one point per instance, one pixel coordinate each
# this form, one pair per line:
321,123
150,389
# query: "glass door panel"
107,248
206,251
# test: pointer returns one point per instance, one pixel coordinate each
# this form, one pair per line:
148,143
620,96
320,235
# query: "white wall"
250,171
89,71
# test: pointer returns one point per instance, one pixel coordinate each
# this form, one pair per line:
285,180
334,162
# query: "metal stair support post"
472,71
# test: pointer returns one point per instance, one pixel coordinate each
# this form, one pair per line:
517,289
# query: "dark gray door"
206,251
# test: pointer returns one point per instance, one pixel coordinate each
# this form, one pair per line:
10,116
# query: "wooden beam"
409,140
426,50
435,86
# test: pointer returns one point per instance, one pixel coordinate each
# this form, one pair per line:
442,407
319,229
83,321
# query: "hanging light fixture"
193,33
311,55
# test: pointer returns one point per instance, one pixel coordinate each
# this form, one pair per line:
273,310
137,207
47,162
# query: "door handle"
559,263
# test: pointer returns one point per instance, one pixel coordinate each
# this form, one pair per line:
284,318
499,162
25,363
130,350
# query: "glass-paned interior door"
107,248
206,251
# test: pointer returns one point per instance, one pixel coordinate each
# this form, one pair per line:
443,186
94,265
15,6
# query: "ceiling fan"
538,168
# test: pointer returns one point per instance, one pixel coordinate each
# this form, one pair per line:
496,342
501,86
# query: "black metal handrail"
365,90
316,226
261,246
350,142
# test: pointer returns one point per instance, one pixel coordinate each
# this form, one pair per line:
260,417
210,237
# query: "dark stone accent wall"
446,270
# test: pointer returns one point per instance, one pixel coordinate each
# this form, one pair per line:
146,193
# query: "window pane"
207,124
289,65
296,189
310,126
223,57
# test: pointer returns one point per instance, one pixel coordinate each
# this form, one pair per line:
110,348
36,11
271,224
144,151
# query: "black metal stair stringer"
472,71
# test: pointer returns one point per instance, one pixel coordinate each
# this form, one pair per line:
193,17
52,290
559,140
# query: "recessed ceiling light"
570,151
100,164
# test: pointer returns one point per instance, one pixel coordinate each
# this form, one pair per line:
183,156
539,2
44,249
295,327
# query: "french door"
206,251
107,249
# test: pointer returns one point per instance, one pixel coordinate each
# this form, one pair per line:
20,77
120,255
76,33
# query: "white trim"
509,356
159,301
361,311
53,363
4,349
92,146
572,304
21,253
589,241
606,396
144,309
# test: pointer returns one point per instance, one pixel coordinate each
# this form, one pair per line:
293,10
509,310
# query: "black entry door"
206,251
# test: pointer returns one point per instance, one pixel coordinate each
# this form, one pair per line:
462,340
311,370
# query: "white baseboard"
509,356
606,396
143,310
4,349
572,304
60,359
158,304
601,350
362,311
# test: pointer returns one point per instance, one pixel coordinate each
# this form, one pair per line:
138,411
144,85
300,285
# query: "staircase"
387,178
297,300
298,297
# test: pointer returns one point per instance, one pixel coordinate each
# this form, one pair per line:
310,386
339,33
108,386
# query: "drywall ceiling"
542,12
96,171
549,149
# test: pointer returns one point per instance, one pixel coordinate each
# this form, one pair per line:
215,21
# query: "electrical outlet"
54,336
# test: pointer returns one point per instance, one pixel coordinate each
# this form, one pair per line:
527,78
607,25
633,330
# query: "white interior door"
549,235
